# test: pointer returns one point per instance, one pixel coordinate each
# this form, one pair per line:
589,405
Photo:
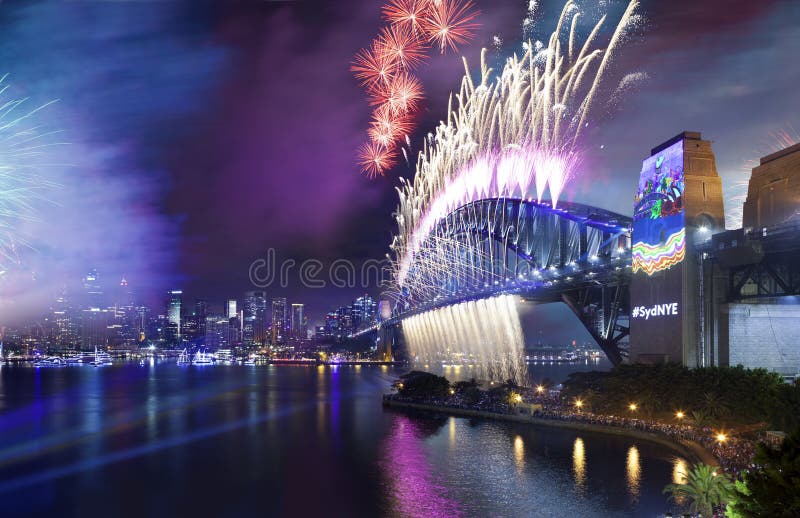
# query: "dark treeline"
710,395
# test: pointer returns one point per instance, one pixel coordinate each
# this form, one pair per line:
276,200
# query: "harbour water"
169,440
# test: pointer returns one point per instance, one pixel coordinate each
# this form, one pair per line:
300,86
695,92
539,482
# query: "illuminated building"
95,324
217,331
92,289
231,308
278,320
200,313
678,205
174,315
254,315
298,325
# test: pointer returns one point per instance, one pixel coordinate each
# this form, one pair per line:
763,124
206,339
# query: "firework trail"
385,69
23,145
516,133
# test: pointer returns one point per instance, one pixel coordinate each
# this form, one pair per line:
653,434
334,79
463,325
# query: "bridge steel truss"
575,254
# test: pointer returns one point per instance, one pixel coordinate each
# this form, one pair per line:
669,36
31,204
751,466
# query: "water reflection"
579,463
413,488
679,470
633,472
519,453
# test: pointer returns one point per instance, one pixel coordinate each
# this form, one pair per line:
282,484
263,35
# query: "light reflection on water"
260,440
633,472
579,464
519,453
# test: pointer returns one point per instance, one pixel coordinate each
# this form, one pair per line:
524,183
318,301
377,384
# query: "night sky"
202,134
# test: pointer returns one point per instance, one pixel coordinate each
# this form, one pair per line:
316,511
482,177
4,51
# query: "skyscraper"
298,322
174,314
92,289
230,309
200,312
278,320
254,317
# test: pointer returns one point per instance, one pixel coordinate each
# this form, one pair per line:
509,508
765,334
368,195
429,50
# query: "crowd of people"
733,453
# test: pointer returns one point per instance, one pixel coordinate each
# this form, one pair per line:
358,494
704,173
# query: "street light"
632,407
540,389
721,437
578,403
679,414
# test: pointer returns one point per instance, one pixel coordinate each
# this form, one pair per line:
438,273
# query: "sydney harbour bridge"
573,254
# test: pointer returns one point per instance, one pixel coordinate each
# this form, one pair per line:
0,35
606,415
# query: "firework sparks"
400,45
374,159
405,94
22,146
514,134
384,69
372,67
449,23
406,13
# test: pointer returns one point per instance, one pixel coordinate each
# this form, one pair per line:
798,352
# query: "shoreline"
693,451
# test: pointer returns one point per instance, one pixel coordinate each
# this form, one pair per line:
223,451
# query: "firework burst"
374,159
373,68
512,134
22,148
409,14
400,45
385,69
450,24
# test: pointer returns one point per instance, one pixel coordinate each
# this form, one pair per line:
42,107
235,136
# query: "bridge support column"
599,308
386,342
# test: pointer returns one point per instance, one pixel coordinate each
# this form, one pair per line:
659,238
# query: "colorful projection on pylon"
654,258
659,235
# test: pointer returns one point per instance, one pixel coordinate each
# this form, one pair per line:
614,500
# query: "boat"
101,359
50,361
203,358
184,359
74,359
249,361
570,357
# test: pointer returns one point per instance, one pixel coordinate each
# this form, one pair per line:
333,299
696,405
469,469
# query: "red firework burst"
386,128
402,95
406,13
375,159
405,94
448,23
372,67
402,46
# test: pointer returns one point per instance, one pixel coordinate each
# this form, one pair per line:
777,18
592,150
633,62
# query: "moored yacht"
101,358
184,358
203,358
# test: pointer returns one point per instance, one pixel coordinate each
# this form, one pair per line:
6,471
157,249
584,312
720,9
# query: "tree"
774,488
704,489
418,384
700,419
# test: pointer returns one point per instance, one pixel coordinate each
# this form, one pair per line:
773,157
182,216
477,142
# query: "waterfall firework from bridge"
509,136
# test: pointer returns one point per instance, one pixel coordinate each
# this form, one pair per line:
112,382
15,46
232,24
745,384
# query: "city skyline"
182,224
